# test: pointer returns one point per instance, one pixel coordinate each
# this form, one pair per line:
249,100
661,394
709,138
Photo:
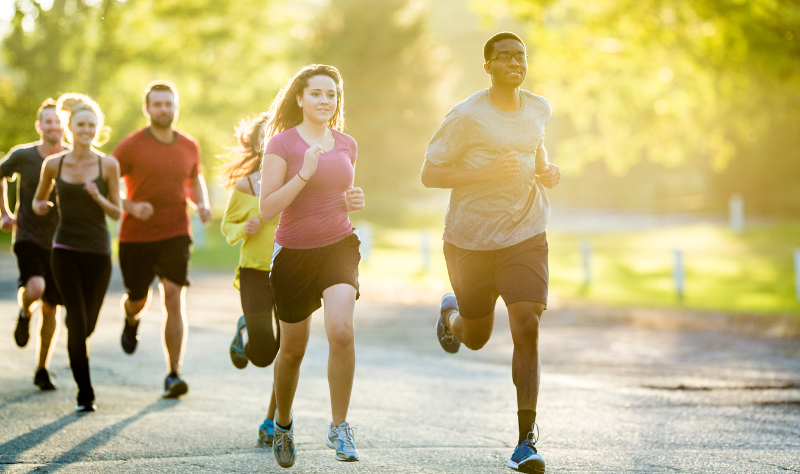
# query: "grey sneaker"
342,440
283,444
446,338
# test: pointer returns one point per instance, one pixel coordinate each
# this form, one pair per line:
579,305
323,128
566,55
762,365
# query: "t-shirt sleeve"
277,146
450,141
196,166
353,151
9,164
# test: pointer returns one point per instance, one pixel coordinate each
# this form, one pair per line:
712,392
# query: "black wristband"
298,175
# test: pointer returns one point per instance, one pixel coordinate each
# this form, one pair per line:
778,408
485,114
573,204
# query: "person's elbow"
428,176
115,213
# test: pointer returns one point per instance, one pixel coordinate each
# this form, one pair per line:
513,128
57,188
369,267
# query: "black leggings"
82,279
259,307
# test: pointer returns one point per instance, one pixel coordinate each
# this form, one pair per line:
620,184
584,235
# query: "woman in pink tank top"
307,178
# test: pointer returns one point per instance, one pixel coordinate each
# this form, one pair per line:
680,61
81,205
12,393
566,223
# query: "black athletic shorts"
300,275
141,262
517,273
32,261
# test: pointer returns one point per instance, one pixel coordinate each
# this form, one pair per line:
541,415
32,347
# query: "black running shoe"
42,380
129,337
21,333
88,408
174,386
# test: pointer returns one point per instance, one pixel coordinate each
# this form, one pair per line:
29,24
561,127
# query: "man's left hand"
550,175
204,213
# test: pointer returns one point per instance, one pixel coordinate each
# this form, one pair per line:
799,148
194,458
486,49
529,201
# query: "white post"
797,272
736,207
425,249
365,236
586,253
678,274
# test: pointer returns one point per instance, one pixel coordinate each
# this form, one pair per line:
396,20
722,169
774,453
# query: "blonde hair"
72,103
245,158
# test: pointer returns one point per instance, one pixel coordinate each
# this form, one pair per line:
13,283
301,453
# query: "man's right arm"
7,220
448,176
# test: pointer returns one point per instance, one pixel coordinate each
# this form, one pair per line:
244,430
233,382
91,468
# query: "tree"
391,77
709,85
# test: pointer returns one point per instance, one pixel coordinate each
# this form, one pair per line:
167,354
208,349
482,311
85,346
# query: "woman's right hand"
310,162
41,207
252,226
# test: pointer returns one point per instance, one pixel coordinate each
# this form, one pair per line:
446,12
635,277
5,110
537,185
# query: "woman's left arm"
111,204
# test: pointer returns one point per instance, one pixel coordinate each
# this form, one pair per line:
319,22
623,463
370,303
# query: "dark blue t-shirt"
26,162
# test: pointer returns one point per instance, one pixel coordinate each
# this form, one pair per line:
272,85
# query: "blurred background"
676,124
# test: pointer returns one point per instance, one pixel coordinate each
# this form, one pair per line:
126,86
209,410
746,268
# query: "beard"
52,138
162,121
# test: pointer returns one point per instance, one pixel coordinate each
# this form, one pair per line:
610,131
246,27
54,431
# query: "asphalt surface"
614,398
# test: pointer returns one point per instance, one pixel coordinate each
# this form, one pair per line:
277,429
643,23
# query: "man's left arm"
546,172
198,196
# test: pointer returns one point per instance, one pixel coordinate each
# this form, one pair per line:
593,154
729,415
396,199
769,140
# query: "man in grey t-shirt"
490,151
33,237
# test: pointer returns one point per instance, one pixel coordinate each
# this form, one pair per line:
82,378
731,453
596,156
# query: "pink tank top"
318,215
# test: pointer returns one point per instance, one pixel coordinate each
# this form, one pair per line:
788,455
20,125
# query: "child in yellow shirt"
255,341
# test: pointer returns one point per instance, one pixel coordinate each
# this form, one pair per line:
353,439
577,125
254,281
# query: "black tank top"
82,222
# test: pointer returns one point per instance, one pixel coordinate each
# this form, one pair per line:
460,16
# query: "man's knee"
261,356
524,317
476,333
132,306
34,288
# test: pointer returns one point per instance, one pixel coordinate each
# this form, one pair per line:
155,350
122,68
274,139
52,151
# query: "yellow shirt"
257,248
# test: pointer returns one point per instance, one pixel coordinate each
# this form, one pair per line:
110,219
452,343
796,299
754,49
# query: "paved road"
615,398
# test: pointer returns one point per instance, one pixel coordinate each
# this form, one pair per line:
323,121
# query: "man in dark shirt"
33,236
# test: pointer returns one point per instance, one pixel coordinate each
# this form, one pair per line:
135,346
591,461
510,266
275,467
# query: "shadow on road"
12,449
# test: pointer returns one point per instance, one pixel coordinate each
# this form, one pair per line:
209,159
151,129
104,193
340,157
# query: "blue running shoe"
525,458
238,356
266,433
341,439
446,338
283,445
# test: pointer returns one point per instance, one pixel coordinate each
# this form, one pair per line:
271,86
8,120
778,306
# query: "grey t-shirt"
26,162
493,215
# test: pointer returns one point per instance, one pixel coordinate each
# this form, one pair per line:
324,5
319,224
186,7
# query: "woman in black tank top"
87,190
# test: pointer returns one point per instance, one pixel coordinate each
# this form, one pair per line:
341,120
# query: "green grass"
748,273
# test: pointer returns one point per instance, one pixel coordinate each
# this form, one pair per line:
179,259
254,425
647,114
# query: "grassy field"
748,273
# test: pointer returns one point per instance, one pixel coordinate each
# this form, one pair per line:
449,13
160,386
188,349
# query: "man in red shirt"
161,169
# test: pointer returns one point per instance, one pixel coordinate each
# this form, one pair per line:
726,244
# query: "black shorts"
141,262
32,261
300,275
517,273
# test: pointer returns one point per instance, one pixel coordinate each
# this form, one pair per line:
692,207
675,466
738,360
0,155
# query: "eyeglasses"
505,57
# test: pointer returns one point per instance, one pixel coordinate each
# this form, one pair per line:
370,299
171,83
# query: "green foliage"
708,85
391,76
224,57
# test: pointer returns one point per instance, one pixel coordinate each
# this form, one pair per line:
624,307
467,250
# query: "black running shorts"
300,275
141,262
32,261
517,273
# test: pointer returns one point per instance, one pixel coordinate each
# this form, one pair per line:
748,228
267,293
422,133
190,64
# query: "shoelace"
345,433
534,438
280,435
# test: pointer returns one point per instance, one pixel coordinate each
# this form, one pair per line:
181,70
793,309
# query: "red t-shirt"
159,174
318,215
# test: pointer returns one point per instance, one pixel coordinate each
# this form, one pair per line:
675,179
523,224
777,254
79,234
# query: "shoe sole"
330,444
238,361
530,467
176,390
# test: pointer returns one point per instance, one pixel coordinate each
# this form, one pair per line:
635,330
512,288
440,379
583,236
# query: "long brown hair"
245,158
284,109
